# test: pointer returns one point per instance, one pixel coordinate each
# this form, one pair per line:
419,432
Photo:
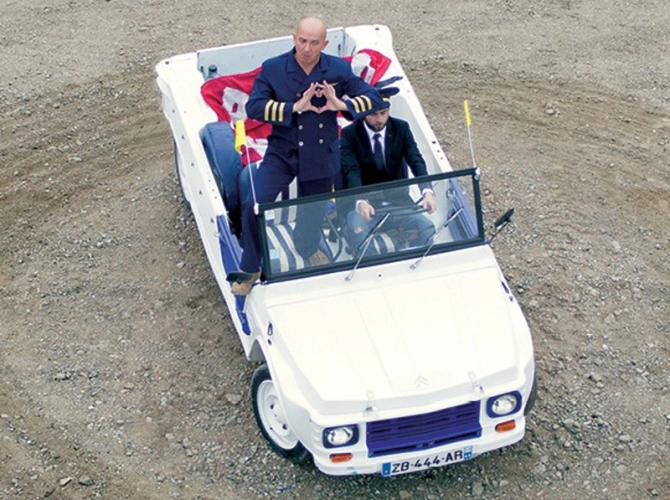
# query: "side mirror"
501,222
504,219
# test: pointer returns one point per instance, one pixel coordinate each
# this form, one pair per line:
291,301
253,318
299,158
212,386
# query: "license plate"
427,462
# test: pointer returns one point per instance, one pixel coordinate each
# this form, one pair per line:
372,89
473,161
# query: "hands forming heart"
320,89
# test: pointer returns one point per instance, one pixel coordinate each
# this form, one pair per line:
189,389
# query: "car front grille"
422,432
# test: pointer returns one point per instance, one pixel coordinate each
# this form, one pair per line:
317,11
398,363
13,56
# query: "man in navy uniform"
377,149
299,93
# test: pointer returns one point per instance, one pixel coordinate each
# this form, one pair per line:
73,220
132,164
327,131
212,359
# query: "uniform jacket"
400,151
307,144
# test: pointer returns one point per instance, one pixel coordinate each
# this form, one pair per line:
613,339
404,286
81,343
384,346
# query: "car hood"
437,338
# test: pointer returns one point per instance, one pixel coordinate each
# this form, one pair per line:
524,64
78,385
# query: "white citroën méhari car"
390,358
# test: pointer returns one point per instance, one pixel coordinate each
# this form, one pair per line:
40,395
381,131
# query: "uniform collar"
293,66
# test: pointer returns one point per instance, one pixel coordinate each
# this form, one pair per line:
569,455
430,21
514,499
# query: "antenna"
468,122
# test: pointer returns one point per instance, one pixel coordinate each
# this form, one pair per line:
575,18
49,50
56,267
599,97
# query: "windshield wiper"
363,247
435,233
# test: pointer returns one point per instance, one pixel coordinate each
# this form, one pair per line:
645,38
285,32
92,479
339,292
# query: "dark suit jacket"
400,151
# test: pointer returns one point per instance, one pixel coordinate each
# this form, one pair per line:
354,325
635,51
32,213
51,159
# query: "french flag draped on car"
227,96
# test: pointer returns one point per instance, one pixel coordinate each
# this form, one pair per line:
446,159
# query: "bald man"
299,93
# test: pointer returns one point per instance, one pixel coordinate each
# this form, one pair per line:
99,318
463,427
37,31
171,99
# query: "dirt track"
120,374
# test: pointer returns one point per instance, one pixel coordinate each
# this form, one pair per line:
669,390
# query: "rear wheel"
271,419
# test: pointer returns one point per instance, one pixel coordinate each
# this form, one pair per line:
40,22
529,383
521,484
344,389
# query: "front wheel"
271,419
532,397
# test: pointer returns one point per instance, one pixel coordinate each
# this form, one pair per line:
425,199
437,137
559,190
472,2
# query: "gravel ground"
121,376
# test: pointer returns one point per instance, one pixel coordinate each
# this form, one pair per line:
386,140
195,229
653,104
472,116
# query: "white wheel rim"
273,417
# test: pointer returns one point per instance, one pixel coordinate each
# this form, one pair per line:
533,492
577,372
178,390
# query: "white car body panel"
399,338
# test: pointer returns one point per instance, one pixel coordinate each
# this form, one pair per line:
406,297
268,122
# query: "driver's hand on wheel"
429,202
365,210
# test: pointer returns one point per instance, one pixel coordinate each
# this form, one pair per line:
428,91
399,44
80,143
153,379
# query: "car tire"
532,397
271,419
179,176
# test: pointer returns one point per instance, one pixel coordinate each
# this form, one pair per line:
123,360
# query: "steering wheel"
401,210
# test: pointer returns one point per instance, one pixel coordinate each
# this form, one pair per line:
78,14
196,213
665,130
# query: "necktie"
379,156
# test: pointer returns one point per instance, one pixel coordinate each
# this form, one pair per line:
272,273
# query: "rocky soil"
121,376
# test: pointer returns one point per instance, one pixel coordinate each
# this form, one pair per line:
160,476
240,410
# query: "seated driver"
379,148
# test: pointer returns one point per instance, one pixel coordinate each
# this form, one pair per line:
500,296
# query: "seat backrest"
218,140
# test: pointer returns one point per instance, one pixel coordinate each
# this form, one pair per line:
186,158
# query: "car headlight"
505,404
344,435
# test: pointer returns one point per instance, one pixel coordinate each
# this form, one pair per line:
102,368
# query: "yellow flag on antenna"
240,136
467,112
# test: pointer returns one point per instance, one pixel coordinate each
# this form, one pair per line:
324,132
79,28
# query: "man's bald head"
309,40
312,24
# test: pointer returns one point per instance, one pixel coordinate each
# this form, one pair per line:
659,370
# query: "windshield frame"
470,175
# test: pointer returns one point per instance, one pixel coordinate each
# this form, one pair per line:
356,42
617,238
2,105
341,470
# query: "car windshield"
337,231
